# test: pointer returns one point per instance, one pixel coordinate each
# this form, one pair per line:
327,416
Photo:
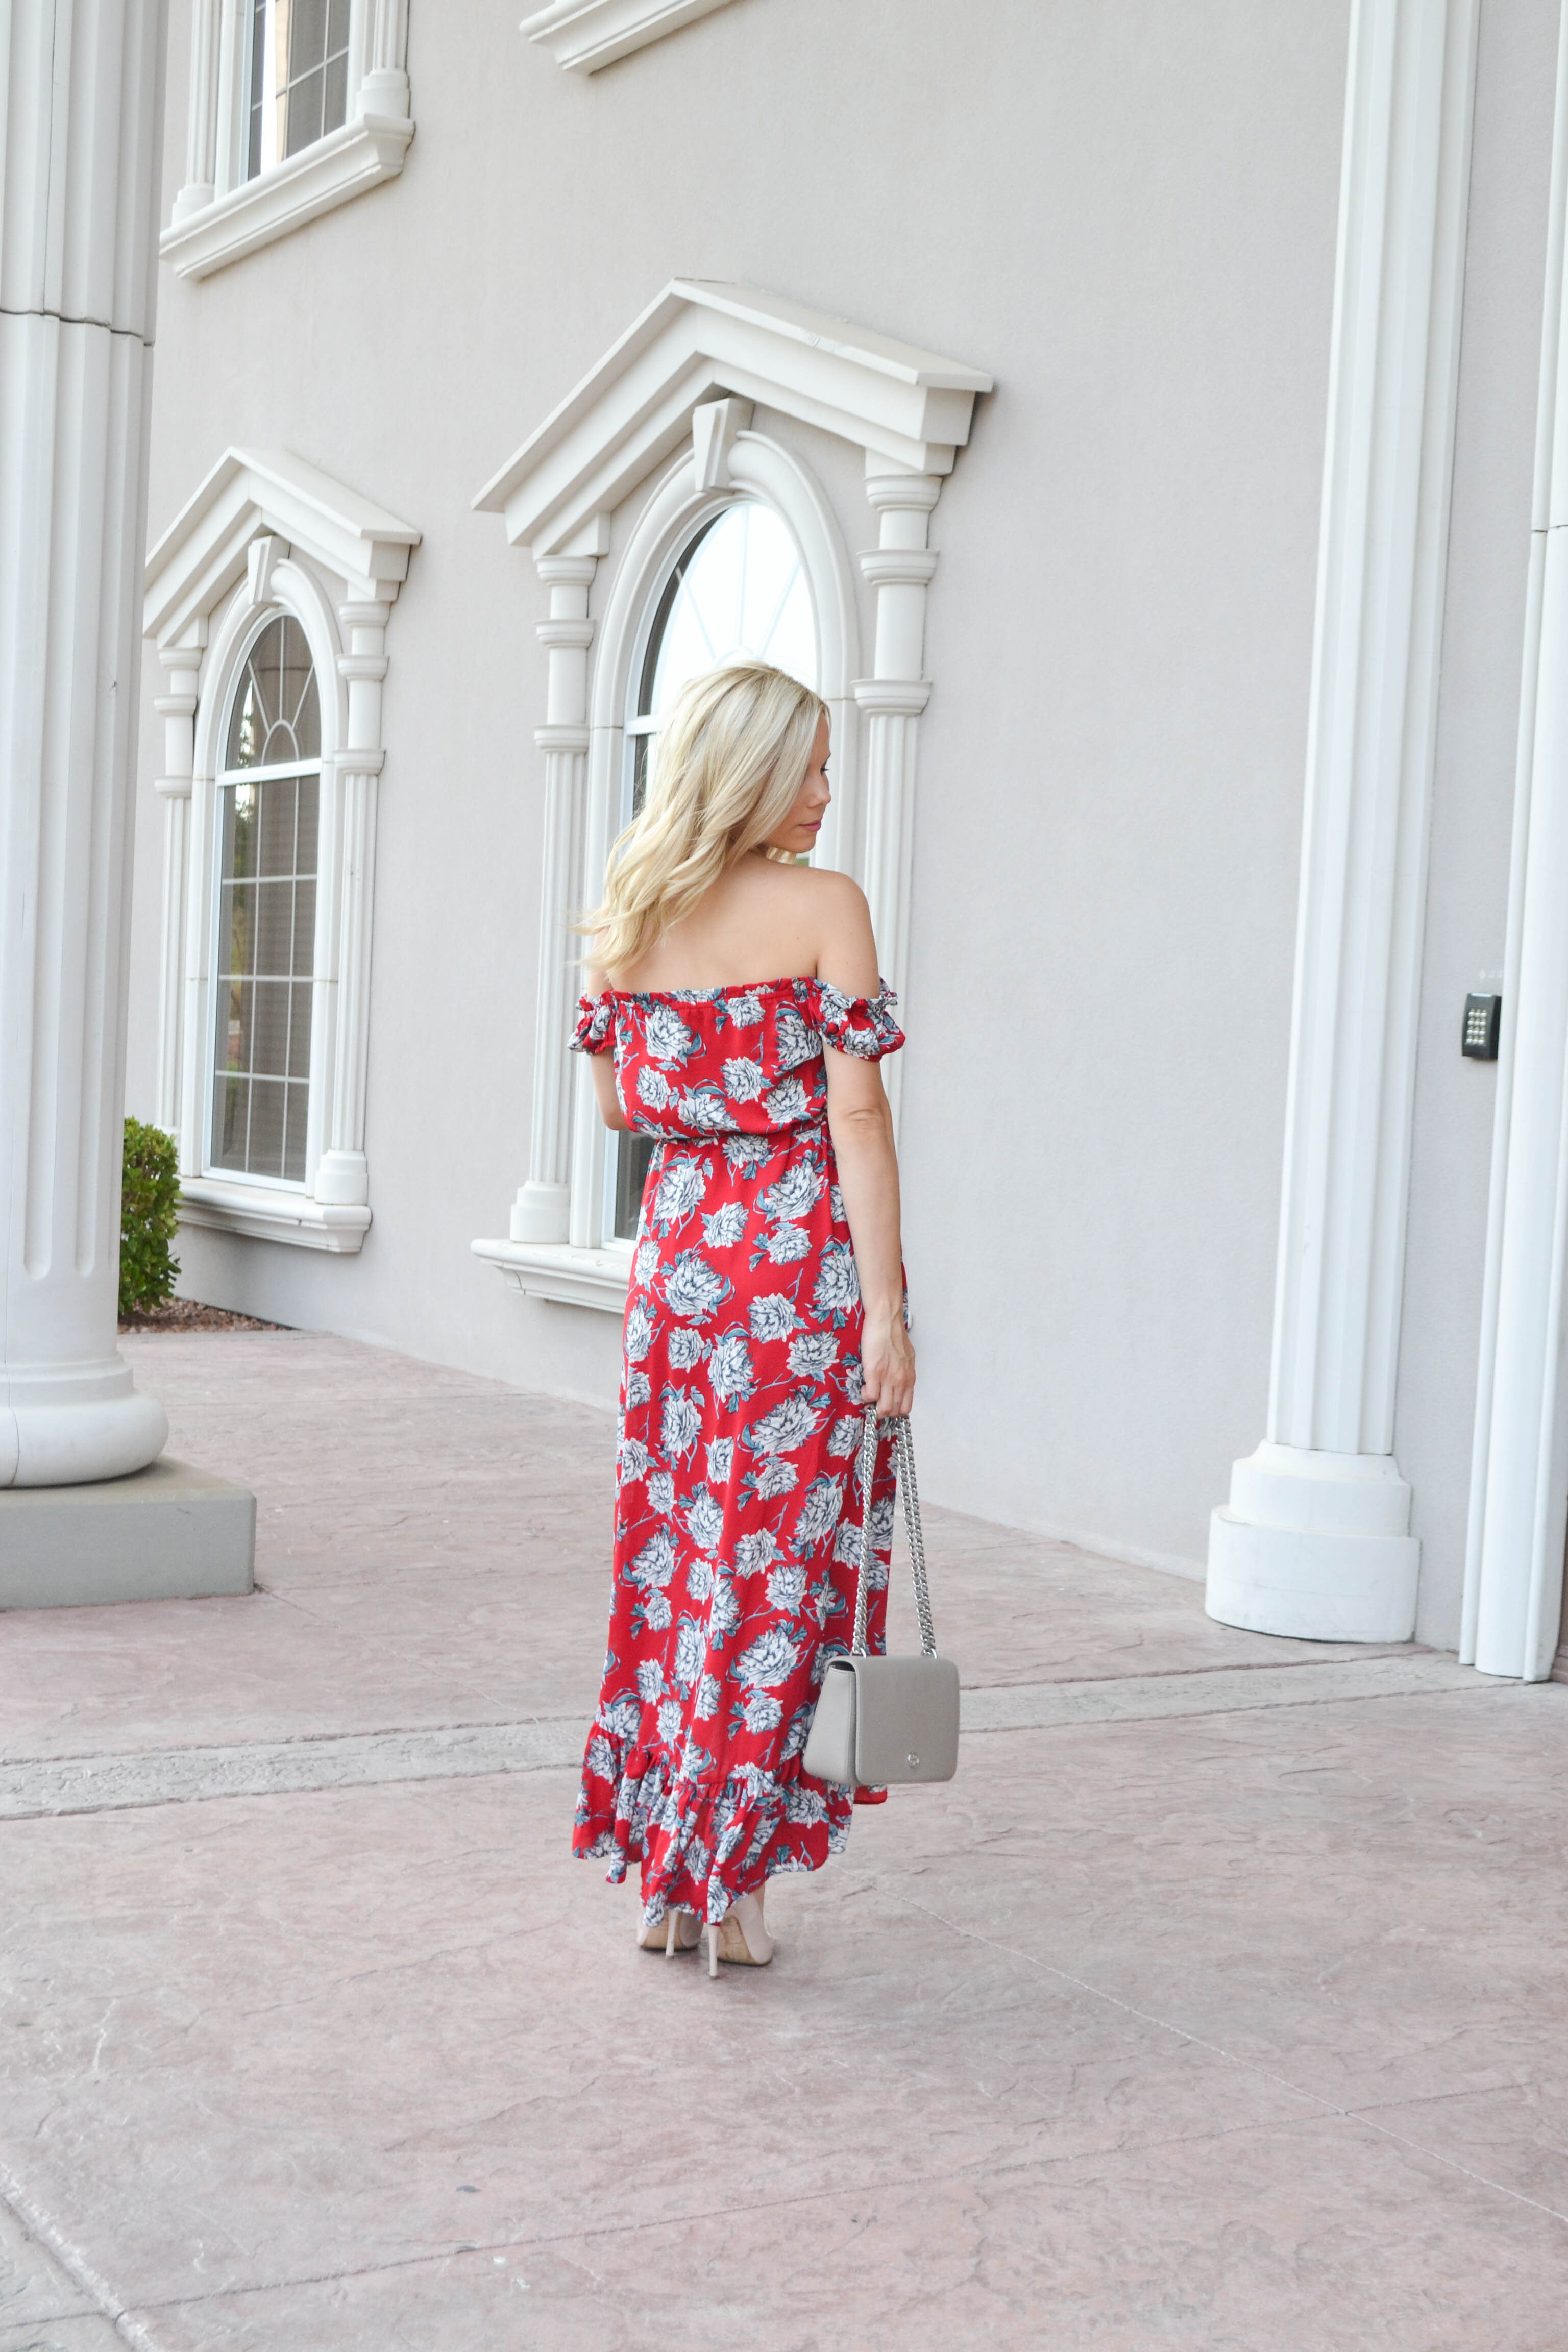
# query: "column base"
541,1213
1314,1546
168,1533
65,1441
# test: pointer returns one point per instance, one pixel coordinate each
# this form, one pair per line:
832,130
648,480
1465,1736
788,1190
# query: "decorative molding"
267,532
574,1277
702,338
219,216
1519,1487
264,1215
584,35
1315,1540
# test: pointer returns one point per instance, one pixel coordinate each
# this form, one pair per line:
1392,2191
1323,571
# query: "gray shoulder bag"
883,1720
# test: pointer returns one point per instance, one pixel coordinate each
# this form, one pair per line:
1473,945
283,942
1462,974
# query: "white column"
1518,1497
177,708
340,1024
81,89
543,1209
1315,1540
202,130
900,568
383,85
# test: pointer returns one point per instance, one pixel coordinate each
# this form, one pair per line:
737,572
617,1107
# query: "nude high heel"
740,1937
669,1934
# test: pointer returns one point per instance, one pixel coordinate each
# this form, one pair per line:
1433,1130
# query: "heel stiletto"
740,1937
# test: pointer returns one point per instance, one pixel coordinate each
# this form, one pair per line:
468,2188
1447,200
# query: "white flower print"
768,1660
681,1422
835,1205
724,1611
686,1348
819,1509
811,1354
797,1191
622,1715
803,1804
797,1042
650,1680
854,1379
730,1369
700,1580
680,1187
704,1520
847,1543
708,1694
654,1565
688,1647
762,1711
837,1285
639,1389
786,1588
647,1261
693,1288
653,1087
774,1476
669,1725
705,1109
660,1491
743,1151
799,1732
631,1461
792,1421
743,1081
753,1553
726,1226
771,1316
787,1102
785,1243
721,1459
746,1011
882,1523
844,1436
639,1333
667,1037
601,1757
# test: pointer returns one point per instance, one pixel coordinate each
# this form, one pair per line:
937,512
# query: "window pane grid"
267,914
298,77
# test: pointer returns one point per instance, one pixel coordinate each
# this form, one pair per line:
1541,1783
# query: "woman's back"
760,921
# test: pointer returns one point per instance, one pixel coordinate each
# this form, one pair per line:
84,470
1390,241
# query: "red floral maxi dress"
739,1429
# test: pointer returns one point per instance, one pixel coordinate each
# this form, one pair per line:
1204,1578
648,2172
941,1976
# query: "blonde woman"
735,1011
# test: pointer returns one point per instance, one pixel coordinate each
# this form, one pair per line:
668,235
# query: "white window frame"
266,534
698,362
219,214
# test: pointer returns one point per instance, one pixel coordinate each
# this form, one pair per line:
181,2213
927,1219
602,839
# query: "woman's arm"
602,1065
861,1126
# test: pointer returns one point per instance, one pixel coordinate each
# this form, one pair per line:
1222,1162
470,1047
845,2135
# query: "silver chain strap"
904,1447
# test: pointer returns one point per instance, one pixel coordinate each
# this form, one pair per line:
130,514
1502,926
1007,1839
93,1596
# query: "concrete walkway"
1219,2003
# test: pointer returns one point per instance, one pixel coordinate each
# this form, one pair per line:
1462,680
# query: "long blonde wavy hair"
732,758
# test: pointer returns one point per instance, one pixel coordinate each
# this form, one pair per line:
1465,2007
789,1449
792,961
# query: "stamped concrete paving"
1239,2028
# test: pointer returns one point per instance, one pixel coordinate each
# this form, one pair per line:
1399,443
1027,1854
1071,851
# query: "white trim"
700,338
1315,1540
219,216
582,35
272,1213
265,532
1519,1493
573,1278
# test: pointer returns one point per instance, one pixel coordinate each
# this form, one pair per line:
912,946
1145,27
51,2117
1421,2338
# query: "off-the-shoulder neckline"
711,995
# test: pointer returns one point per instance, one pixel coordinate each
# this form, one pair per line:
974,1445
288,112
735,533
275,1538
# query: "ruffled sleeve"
861,1025
596,1025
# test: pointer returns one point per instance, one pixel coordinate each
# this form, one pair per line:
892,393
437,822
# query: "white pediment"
906,406
252,493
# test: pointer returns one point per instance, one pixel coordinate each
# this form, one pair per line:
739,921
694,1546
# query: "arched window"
739,586
268,794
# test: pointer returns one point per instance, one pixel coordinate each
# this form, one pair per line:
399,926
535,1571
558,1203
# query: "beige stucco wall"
1127,213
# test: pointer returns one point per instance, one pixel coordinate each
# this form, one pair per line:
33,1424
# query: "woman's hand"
888,1365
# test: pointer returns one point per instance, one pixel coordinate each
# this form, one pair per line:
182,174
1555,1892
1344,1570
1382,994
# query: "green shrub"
149,1205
